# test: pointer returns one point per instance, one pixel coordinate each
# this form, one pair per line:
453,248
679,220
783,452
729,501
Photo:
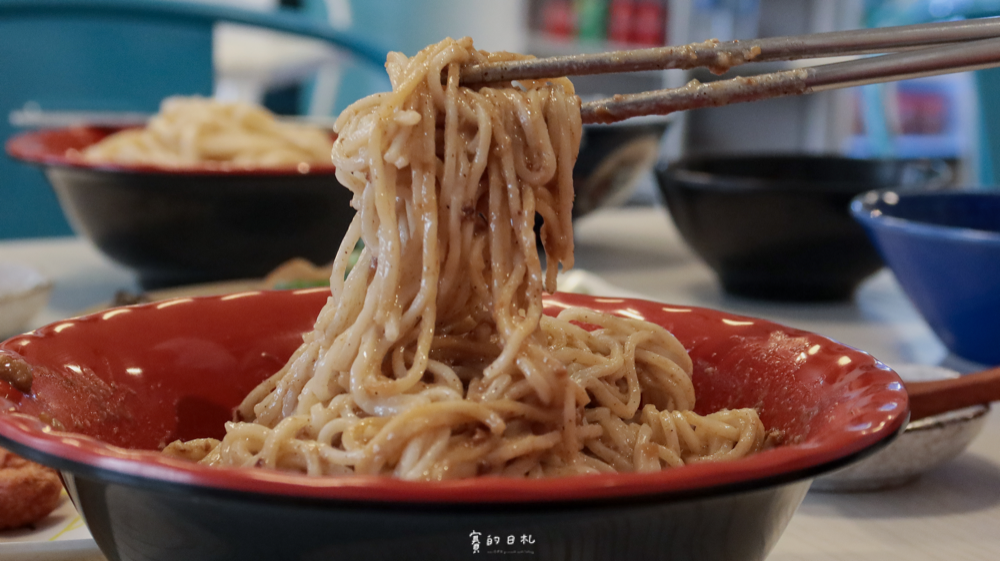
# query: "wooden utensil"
916,50
940,396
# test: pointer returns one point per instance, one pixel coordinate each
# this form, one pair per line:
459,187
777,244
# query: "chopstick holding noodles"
915,51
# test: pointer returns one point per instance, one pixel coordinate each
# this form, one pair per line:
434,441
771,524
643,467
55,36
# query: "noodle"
191,131
432,359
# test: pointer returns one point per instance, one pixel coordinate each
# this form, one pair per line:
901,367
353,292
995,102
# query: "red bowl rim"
83,455
40,147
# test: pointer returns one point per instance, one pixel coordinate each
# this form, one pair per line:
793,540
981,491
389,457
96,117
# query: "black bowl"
612,160
192,225
778,227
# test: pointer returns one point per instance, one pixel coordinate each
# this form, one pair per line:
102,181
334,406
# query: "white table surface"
951,513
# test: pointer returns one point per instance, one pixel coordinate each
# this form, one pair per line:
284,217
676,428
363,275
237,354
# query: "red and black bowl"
185,225
110,389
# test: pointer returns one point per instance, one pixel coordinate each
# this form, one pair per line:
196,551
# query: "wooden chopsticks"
975,55
917,50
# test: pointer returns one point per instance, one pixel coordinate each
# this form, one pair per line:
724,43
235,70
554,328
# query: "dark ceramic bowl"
778,227
944,248
193,225
122,383
612,160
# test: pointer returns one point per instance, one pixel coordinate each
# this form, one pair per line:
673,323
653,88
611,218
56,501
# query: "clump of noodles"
433,360
198,131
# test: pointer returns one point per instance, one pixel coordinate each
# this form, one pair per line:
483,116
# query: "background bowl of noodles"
111,389
613,158
182,225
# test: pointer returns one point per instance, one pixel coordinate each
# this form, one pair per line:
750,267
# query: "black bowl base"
790,291
133,523
159,280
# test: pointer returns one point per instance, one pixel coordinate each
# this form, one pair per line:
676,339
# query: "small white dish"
925,444
579,281
23,293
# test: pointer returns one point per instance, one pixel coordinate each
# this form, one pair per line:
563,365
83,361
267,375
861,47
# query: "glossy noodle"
433,359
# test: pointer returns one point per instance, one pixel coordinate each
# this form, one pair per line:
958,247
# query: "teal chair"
113,55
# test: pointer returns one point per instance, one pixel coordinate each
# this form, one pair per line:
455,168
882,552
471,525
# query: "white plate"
61,536
925,444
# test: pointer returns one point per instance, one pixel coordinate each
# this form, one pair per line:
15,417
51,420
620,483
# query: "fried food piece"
297,273
28,491
16,372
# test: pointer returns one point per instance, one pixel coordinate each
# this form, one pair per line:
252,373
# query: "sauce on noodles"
433,359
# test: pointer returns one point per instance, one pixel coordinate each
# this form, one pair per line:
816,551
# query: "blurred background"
939,117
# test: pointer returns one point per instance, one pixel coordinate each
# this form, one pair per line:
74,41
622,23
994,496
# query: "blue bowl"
944,248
